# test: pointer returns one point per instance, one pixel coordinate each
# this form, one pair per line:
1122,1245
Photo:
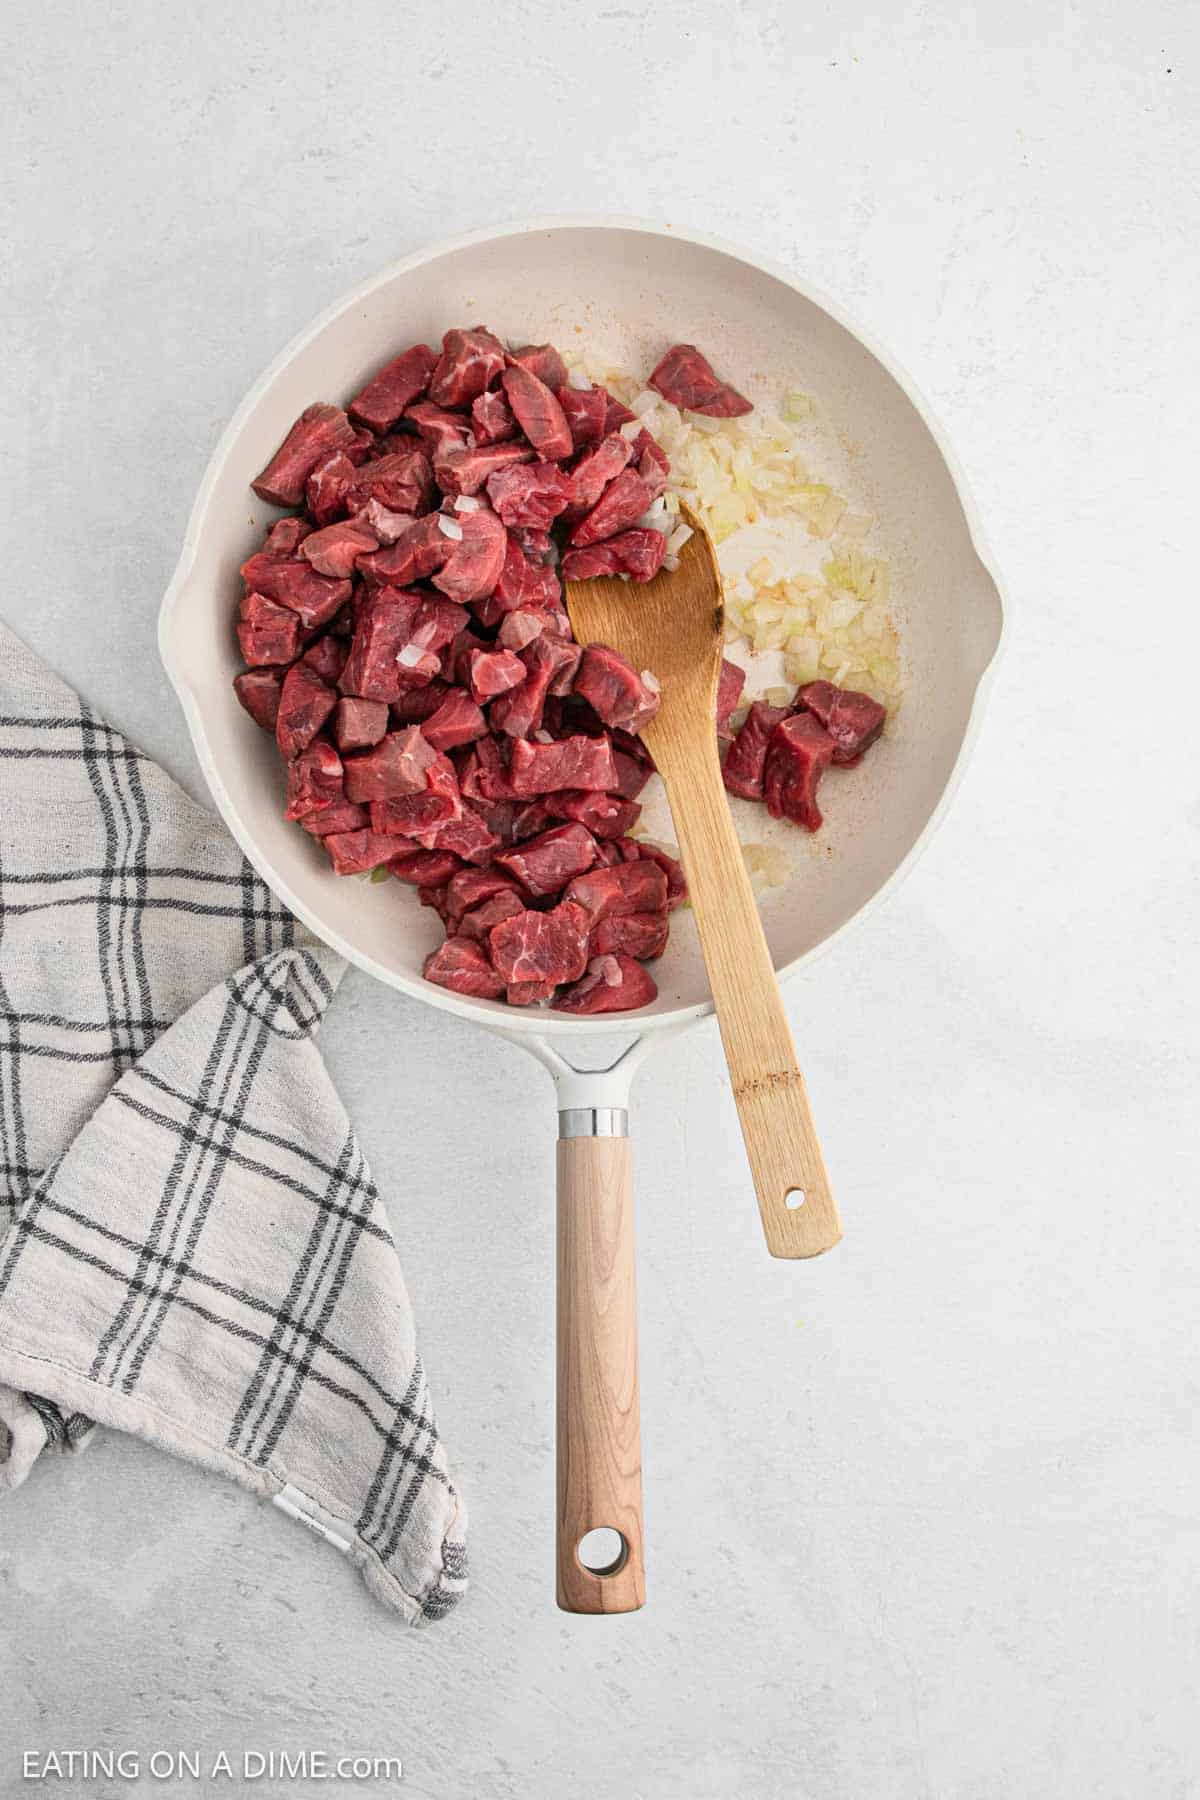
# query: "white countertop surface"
923,1516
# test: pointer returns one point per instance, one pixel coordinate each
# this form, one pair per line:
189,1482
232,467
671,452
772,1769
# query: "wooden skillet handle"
598,1420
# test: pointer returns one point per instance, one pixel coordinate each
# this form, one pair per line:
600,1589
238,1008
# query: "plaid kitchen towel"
192,1249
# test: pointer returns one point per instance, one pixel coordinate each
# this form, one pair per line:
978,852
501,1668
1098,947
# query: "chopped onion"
466,503
678,539
448,527
651,681
410,655
607,968
543,737
631,429
579,380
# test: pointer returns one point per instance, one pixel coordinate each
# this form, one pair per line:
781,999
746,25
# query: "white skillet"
625,289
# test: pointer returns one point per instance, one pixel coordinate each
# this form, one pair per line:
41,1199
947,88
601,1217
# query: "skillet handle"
598,1417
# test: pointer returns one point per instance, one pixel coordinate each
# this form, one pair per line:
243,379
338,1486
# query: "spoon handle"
772,1102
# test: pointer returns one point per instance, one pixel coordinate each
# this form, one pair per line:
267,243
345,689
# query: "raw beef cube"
397,385
566,654
492,418
620,505
519,713
574,762
615,414
549,946
286,536
528,820
471,887
479,921
325,489
399,764
543,361
544,864
747,759
476,558
632,774
469,362
584,409
462,966
469,837
853,720
292,582
638,553
605,815
538,413
354,852
518,629
360,723
419,704
494,672
457,721
537,546
528,993
258,690
487,778
438,429
327,657
677,890
385,624
594,471
532,494
612,984
304,705
411,814
464,471
317,433
614,689
730,683
421,549
798,754
686,379
521,583
425,868
341,816
314,780
387,526
653,463
267,633
631,887
403,482
631,934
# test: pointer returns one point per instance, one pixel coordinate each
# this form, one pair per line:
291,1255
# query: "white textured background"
923,1516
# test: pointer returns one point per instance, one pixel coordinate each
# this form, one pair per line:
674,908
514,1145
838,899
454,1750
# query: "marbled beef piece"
528,993
385,622
327,657
492,418
529,495
472,887
746,762
538,413
620,505
325,489
638,553
605,815
643,935
616,413
494,672
541,946
397,385
314,780
519,713
730,683
387,526
631,887
403,482
853,720
518,630
409,815
584,409
798,754
485,777
259,690
531,819
438,429
286,536
267,633
544,864
358,724
304,705
341,816
318,432
613,688
458,720
566,653
612,984
464,471
354,852
469,362
521,583
638,850
399,764
594,471
653,463
462,965
543,361
537,546
574,762
294,583
419,704
479,921
424,868
469,836
686,379
415,554
476,558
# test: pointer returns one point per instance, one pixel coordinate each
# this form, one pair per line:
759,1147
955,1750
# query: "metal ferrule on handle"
593,1121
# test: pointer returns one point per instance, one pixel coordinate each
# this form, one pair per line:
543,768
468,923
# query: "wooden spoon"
674,626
